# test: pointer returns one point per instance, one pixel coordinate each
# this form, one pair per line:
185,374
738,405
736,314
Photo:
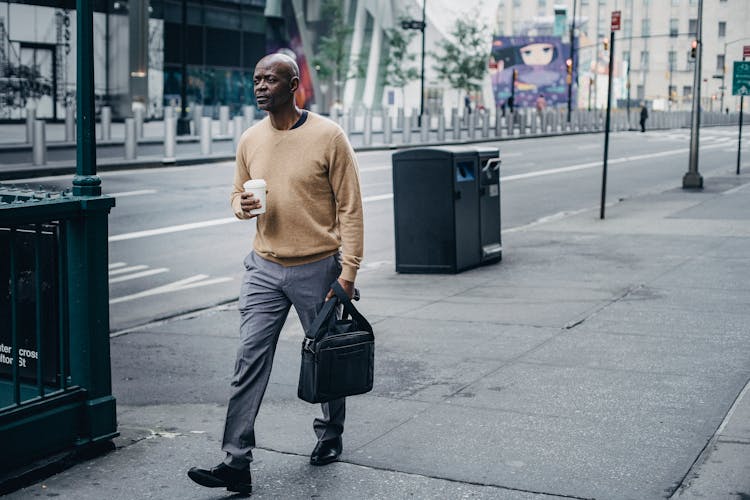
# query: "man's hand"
348,287
249,202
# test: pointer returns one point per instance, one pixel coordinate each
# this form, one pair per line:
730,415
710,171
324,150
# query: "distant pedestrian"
541,103
310,235
511,102
644,117
467,104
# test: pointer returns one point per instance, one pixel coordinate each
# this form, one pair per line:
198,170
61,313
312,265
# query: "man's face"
274,85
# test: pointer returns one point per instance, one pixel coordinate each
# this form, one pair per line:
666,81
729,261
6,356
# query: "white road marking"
378,197
192,282
132,193
172,229
124,270
116,265
142,274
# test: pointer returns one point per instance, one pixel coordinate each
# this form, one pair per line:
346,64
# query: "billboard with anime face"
540,62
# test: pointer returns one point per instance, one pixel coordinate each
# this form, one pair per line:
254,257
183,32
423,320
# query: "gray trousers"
268,292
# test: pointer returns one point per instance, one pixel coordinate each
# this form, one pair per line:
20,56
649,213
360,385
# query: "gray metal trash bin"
436,209
489,205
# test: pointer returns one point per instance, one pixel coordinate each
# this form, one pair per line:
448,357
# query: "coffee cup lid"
254,183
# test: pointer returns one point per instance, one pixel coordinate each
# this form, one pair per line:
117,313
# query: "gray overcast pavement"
600,359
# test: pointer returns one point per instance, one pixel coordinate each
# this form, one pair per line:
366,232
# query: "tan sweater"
313,200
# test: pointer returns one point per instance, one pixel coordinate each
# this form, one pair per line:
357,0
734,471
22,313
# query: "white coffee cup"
258,188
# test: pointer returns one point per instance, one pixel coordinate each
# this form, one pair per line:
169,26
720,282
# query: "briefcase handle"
329,310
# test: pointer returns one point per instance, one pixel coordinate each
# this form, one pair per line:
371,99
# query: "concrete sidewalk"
600,359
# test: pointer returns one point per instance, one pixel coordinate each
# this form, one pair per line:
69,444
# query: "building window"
626,56
675,2
646,2
674,27
516,3
542,3
644,59
627,28
672,92
687,90
646,27
722,29
672,58
640,92
693,26
720,63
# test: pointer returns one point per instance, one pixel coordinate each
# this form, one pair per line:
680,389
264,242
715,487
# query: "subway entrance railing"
55,381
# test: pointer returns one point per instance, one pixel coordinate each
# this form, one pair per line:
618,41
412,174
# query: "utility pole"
693,179
614,26
421,93
572,59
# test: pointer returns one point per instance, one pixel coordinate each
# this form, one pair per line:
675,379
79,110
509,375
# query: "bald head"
283,62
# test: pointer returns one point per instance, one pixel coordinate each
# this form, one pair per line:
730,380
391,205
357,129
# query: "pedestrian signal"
693,48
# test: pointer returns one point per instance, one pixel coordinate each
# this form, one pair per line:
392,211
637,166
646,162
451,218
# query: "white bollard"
455,125
472,125
39,148
400,118
70,124
106,123
197,116
224,120
351,121
30,119
498,121
345,122
238,125
387,129
169,112
367,133
510,118
485,124
138,116
441,126
424,129
248,112
170,139
130,142
206,135
406,131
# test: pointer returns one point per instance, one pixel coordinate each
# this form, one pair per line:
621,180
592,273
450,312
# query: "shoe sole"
318,463
211,482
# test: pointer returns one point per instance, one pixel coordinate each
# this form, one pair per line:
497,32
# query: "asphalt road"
175,246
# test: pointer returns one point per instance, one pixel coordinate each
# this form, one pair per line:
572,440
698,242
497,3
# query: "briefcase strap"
329,310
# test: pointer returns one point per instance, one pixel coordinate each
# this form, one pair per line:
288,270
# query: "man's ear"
294,84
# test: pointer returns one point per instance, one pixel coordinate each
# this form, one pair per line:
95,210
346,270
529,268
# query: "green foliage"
334,47
398,70
464,57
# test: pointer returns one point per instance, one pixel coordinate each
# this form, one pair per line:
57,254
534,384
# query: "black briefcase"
338,355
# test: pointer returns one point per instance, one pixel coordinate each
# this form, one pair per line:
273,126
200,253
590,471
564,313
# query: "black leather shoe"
223,476
326,451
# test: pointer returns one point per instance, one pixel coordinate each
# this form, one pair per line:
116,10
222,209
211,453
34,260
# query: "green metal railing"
55,381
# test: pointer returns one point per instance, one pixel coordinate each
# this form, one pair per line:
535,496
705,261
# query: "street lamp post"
693,179
419,25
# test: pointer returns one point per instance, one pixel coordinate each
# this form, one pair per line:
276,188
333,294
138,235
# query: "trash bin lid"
433,153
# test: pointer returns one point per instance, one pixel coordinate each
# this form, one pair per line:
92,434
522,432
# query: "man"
314,208
541,103
644,117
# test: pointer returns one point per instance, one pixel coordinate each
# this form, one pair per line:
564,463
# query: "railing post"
40,146
106,123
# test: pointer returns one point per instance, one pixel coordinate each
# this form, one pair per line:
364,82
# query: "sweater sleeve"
241,175
343,175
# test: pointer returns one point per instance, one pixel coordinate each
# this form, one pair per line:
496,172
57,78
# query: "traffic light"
569,65
606,45
693,48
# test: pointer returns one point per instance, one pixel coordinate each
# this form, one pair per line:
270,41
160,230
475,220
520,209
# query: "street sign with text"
412,25
741,80
745,51
615,20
